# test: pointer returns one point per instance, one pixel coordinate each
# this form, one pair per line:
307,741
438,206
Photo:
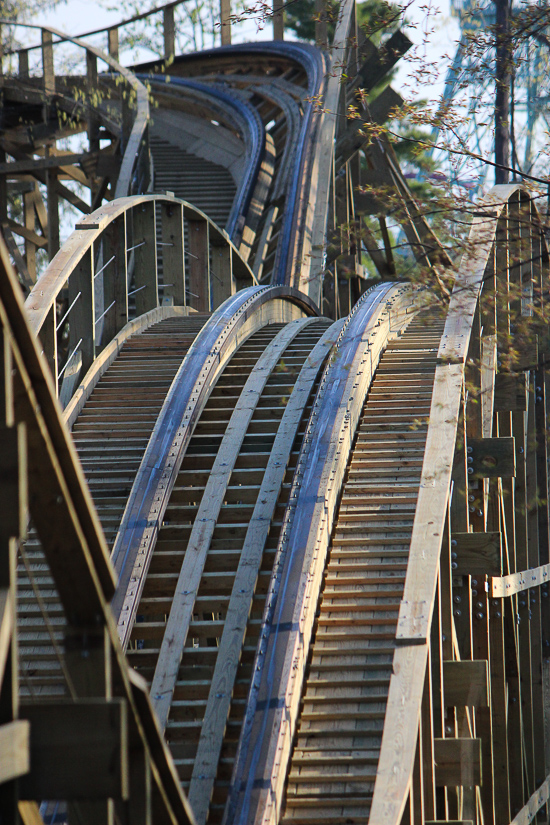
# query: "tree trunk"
503,71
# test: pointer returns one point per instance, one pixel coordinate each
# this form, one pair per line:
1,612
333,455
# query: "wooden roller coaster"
275,541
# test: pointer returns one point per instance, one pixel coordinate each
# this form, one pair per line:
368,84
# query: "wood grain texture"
181,610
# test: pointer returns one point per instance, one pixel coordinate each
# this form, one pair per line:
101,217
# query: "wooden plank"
169,31
181,611
492,457
278,20
476,553
79,750
199,265
112,42
225,22
379,63
221,275
13,481
414,622
30,813
457,762
502,586
229,651
466,683
173,258
14,750
48,71
115,281
510,392
488,376
310,260
7,619
536,801
145,260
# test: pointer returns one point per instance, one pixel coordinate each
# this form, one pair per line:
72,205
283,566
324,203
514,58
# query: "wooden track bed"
201,644
339,732
111,434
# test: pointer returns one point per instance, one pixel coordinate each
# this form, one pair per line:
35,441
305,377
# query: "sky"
433,31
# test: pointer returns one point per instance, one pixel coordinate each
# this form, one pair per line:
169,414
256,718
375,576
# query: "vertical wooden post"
53,210
199,266
47,63
12,525
30,221
91,82
278,20
145,257
3,191
23,64
225,22
222,284
169,34
82,315
49,341
112,43
115,279
173,263
321,28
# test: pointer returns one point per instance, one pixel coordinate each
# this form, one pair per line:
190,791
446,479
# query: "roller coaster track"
260,565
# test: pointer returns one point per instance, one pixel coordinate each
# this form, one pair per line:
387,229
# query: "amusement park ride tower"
470,90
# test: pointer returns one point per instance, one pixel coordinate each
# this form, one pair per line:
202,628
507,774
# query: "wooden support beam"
222,281
47,63
510,392
53,212
81,318
278,20
380,61
169,31
199,265
173,259
457,762
14,750
79,750
354,137
112,42
502,586
466,683
321,26
13,481
476,554
536,801
225,22
23,64
115,280
26,233
145,257
491,457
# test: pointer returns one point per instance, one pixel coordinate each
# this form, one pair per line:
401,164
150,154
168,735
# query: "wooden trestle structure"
279,551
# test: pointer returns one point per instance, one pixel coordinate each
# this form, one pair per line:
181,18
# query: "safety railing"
115,266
